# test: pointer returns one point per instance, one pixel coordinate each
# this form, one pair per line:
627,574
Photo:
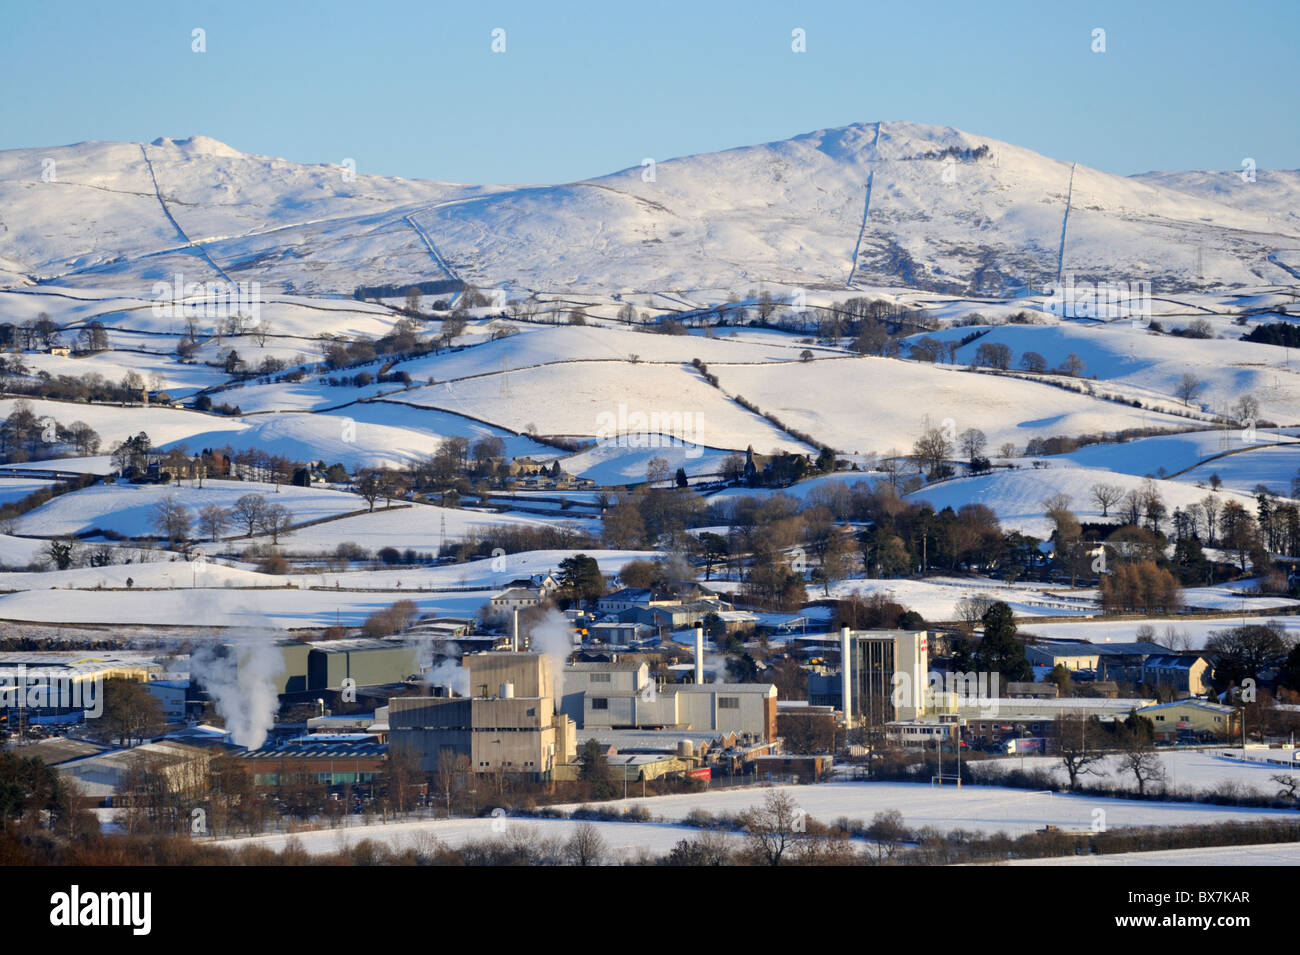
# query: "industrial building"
79,666
866,691
365,662
618,634
320,759
1191,719
99,777
310,667
509,725
1122,662
621,695
170,694
1186,673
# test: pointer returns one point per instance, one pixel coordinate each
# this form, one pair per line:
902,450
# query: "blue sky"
414,90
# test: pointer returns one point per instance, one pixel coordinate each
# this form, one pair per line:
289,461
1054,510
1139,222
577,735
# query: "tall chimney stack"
699,653
846,682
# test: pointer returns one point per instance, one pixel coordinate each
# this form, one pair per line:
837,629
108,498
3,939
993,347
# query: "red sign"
702,773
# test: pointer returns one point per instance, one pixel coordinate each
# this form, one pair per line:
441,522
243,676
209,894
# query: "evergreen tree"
1001,651
581,578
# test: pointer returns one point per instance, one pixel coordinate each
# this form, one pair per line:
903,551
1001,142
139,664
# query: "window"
600,678
728,702
599,703
1160,719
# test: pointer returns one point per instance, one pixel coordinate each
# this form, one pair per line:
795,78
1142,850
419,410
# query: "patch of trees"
1286,334
25,437
873,612
993,355
395,618
1197,328
431,287
1139,587
90,387
1065,444
956,152
1247,652
515,540
652,516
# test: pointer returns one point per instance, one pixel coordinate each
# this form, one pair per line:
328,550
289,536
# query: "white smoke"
447,671
240,679
552,636
715,665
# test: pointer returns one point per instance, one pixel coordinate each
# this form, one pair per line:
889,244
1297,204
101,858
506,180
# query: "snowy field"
974,808
1138,363
130,508
186,605
1017,496
1284,853
936,599
1197,631
420,527
15,489
977,808
1190,769
882,405
625,841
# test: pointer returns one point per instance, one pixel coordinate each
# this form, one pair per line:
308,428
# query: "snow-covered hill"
886,204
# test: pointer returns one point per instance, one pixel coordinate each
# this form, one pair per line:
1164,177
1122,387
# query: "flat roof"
352,643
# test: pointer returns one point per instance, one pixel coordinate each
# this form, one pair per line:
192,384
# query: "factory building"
320,760
510,725
97,778
875,659
312,667
620,695
365,662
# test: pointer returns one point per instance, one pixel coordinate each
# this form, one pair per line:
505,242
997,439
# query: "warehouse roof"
352,644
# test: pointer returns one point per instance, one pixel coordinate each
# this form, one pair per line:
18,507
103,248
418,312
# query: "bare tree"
1033,362
1106,495
585,846
213,520
369,483
1246,409
972,442
1188,387
247,510
1076,743
931,450
888,831
893,467
276,520
171,518
774,828
1138,756
1073,365
970,610
657,470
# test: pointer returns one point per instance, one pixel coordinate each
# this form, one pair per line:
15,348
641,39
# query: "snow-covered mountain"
873,204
